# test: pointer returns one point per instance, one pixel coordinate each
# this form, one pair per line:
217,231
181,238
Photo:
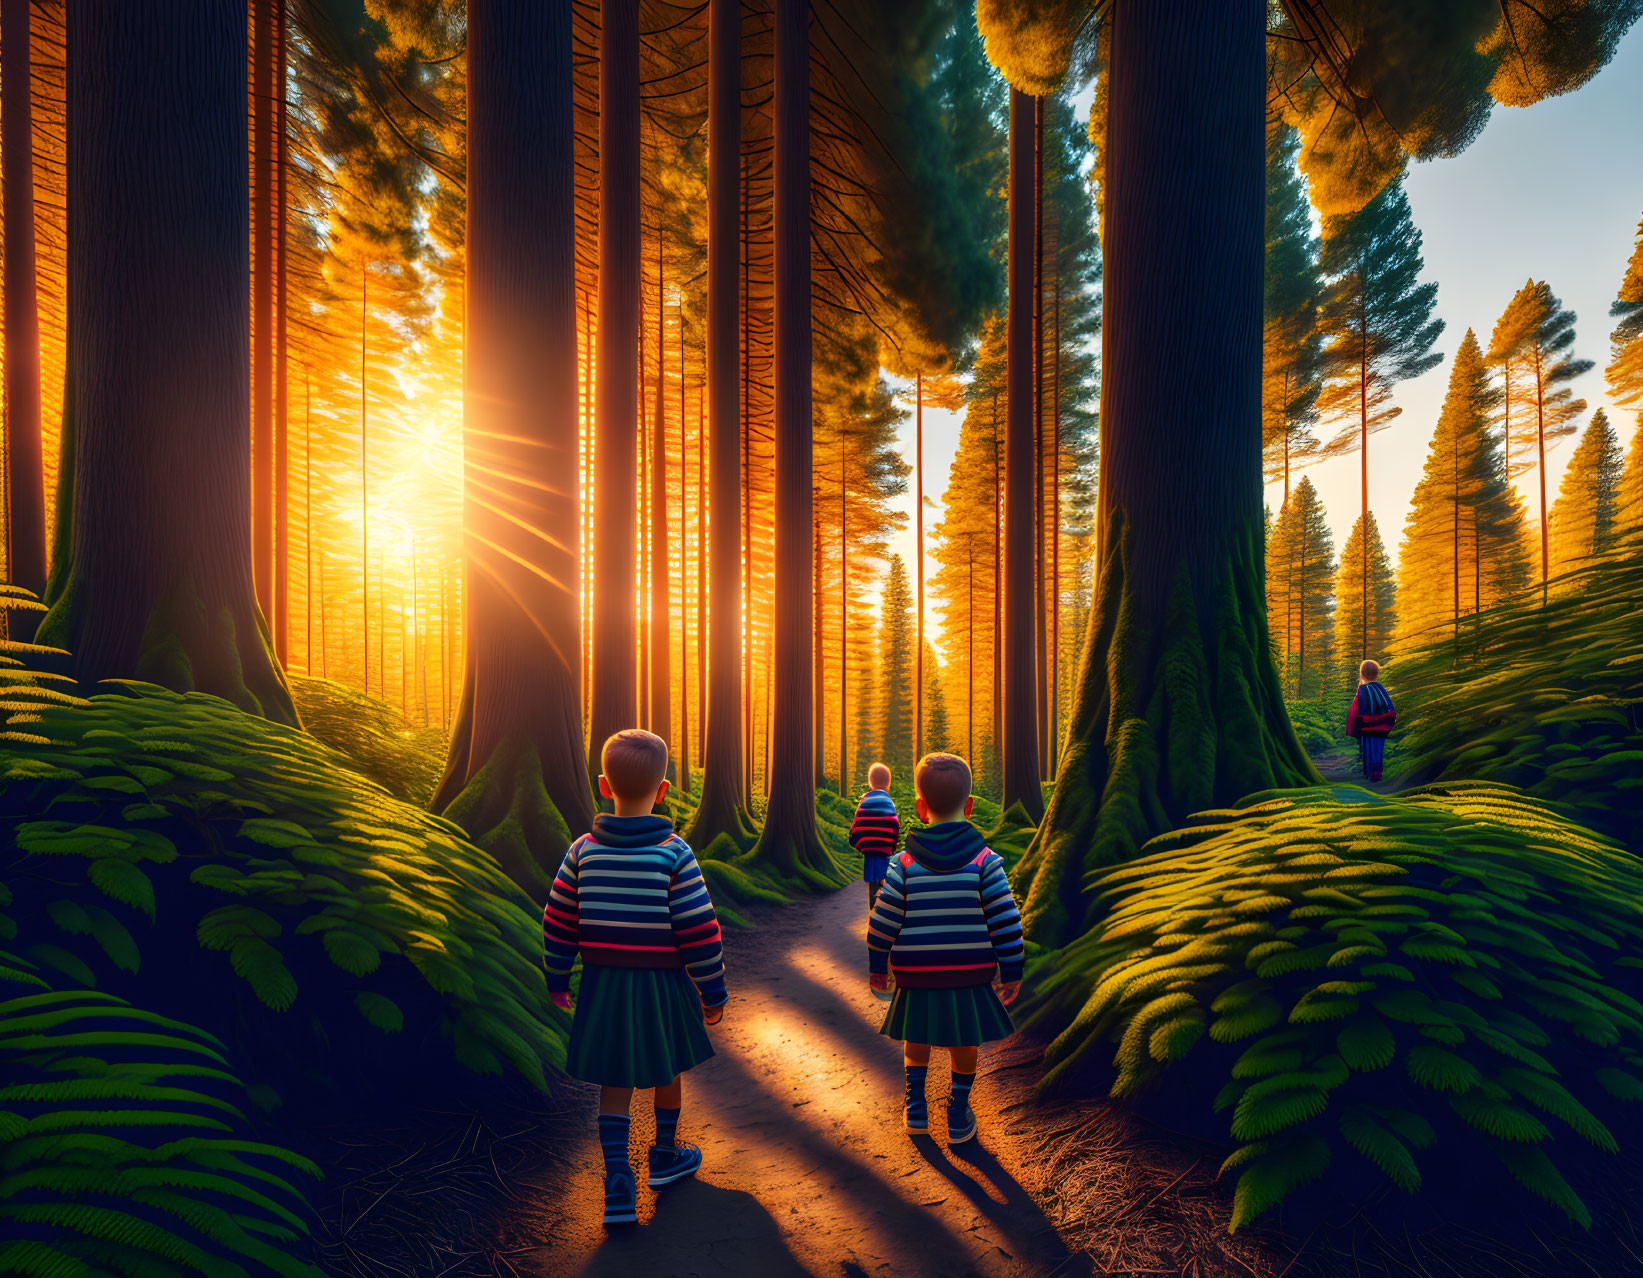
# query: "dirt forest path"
807,1170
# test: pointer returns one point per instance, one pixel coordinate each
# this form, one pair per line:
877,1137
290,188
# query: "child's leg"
613,1126
917,1059
671,1159
668,1103
620,1206
961,1121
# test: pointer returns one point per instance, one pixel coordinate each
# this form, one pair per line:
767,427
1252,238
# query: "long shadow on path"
708,1230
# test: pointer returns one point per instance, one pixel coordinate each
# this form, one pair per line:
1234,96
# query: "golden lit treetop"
1365,81
1626,367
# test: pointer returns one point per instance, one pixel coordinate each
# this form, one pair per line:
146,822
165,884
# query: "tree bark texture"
616,439
1020,735
282,384
790,841
159,584
661,655
262,294
25,477
722,811
516,776
1177,705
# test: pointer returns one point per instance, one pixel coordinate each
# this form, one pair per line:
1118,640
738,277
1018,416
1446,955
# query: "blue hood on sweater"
946,846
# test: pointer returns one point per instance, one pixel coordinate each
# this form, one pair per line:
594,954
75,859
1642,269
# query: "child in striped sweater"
945,922
875,830
630,899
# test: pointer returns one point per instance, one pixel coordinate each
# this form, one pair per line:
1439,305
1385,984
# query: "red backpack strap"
980,856
906,860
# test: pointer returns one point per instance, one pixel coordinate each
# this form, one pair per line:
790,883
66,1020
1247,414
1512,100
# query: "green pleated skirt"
635,1027
966,1017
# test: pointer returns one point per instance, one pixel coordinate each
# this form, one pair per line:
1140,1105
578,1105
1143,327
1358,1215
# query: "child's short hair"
943,782
878,776
634,762
1369,671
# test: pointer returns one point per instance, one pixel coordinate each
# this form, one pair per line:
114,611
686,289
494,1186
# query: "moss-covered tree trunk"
790,842
1177,705
723,809
616,438
516,778
25,480
1019,736
156,583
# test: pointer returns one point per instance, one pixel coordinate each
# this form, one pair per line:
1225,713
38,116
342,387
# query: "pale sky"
1553,192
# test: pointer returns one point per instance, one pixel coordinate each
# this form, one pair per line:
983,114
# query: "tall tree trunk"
661,692
1178,706
617,401
1055,541
1540,466
723,809
1020,729
701,561
307,528
844,629
918,506
262,281
25,479
1040,562
790,840
817,665
157,589
998,597
364,479
684,575
282,386
515,778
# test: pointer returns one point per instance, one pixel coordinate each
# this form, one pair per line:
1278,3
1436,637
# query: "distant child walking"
630,899
1371,719
875,830
945,923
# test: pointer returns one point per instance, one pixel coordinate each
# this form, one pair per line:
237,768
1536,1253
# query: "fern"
1275,1173
1499,917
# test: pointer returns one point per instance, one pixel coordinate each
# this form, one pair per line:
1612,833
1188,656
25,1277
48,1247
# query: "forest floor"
808,1171
807,1168
1343,766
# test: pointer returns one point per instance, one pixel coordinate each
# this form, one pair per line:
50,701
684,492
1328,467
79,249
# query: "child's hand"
879,983
713,1015
561,1000
1008,990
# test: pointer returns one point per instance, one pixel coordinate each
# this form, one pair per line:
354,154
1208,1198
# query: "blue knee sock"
613,1140
961,1089
667,1124
915,1089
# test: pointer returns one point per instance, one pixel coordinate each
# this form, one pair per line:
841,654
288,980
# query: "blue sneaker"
621,1198
669,1165
961,1122
918,1115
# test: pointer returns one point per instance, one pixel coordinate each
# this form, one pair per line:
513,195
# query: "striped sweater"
876,826
631,895
945,917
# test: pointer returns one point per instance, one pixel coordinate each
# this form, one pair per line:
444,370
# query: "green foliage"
405,761
1375,974
1548,698
1300,584
124,1147
1320,725
213,852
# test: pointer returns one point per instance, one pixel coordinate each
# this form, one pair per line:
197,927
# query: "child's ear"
969,806
604,788
661,791
923,810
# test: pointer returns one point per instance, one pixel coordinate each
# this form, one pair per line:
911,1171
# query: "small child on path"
945,921
1371,719
631,900
874,831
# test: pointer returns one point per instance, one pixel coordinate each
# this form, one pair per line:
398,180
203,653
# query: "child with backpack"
1371,719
